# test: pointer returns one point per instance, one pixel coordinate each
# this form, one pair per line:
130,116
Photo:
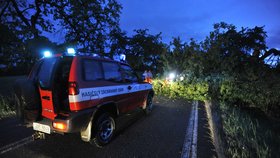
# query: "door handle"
46,97
129,87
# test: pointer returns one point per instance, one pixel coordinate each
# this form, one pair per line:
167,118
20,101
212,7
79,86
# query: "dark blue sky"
195,18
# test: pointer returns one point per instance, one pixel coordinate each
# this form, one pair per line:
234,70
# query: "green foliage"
144,51
259,94
183,58
10,45
233,63
92,25
197,90
89,22
119,42
26,19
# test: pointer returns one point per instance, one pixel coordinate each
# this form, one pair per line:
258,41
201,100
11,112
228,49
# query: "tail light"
73,88
59,125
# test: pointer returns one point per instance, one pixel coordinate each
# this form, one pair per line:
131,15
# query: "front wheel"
103,130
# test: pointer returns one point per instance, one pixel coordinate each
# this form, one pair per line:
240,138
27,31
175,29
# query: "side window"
111,71
92,70
129,74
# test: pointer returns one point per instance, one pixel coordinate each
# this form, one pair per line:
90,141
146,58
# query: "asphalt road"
161,134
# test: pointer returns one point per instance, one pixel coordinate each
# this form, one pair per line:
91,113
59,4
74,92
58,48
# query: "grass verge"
248,134
6,107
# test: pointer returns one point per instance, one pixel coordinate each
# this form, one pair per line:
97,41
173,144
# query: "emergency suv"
80,94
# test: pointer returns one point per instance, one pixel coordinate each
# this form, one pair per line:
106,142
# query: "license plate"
41,128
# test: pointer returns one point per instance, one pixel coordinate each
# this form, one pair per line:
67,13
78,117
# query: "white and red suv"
80,93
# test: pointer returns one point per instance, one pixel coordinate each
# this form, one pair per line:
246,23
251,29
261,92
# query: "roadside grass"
248,134
6,107
6,96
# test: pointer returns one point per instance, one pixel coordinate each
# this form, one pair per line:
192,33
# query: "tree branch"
26,9
4,9
62,13
21,16
34,18
270,52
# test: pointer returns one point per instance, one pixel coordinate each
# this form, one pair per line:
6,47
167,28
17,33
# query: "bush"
195,90
263,95
252,94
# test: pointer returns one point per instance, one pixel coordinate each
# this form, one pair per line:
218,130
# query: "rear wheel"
149,104
103,130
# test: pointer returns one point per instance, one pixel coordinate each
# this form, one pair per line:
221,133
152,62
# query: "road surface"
170,131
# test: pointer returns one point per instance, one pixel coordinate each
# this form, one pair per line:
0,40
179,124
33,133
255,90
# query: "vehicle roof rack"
93,55
80,53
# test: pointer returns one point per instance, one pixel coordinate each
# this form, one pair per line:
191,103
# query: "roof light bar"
47,54
71,51
122,57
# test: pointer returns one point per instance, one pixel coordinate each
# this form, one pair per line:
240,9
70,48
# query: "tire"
103,130
19,109
149,105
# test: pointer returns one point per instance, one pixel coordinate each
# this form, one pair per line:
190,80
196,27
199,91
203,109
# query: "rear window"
45,73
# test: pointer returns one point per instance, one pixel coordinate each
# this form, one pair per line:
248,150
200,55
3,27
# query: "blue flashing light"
122,57
71,51
47,54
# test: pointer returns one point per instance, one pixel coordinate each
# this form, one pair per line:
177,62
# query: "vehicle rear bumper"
74,123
